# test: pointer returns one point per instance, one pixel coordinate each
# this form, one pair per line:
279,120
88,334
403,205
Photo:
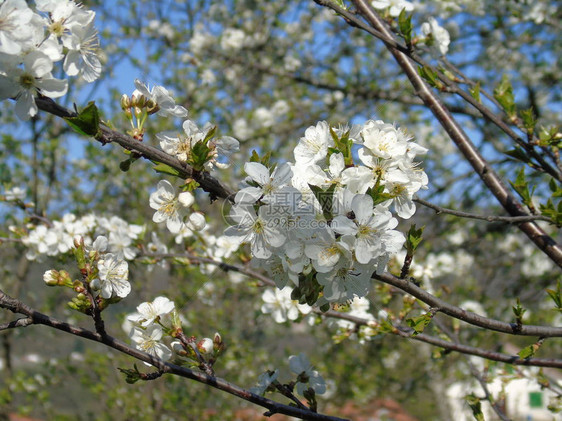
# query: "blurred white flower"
279,304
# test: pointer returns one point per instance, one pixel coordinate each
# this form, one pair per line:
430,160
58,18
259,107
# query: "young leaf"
165,169
522,188
556,296
504,94
325,198
413,238
419,323
529,119
528,351
519,155
430,76
475,92
405,25
87,121
474,403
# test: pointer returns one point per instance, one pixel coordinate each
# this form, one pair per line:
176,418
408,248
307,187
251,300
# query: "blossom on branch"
169,208
307,377
112,277
149,341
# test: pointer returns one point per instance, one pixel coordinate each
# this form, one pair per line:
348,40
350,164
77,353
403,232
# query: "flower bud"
125,102
51,277
196,221
186,199
205,346
138,101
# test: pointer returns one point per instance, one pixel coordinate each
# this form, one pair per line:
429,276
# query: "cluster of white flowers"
113,274
13,194
31,42
170,208
158,320
59,237
105,272
326,219
307,377
147,325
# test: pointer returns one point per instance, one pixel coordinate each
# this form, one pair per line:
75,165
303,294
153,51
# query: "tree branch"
464,144
208,183
273,407
488,218
467,316
406,332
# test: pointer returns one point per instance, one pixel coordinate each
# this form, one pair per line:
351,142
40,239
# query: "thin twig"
488,218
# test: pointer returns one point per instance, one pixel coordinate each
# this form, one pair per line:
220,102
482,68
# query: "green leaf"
343,145
87,121
131,375
476,407
475,92
413,238
528,351
529,119
200,154
254,157
125,165
519,312
556,296
405,25
419,323
522,188
377,194
550,137
166,169
552,212
519,155
262,160
504,95
430,76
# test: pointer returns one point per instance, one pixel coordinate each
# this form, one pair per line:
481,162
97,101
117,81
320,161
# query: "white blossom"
112,277
438,35
148,312
279,304
15,26
149,341
160,95
25,84
307,377
264,380
169,208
